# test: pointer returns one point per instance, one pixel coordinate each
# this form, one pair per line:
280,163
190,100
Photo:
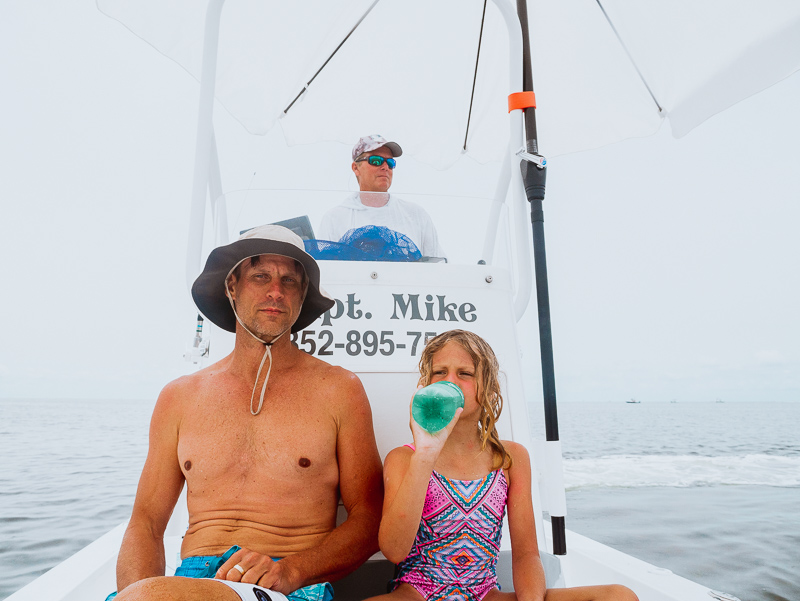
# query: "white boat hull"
89,575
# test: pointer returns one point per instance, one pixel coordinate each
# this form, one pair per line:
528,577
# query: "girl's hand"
427,443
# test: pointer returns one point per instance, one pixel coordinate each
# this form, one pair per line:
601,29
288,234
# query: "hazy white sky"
673,264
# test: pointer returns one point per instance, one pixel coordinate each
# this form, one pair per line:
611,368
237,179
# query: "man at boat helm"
373,165
267,440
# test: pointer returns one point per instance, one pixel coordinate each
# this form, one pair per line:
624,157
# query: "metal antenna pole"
534,175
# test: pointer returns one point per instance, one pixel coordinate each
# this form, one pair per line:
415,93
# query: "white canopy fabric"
407,70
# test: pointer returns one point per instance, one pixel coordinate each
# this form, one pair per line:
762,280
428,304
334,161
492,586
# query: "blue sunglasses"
377,161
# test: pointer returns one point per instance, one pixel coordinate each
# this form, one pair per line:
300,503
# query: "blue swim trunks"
206,566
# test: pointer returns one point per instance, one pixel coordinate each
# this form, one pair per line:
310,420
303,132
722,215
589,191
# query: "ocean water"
68,474
708,490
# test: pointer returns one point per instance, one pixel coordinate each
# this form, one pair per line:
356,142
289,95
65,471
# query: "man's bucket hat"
208,290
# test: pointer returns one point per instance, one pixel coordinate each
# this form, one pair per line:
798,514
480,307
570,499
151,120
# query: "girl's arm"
529,583
405,477
406,474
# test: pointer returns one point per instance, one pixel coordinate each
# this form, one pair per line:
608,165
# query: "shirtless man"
267,439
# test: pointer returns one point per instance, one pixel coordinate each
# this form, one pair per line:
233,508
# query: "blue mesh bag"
326,250
368,243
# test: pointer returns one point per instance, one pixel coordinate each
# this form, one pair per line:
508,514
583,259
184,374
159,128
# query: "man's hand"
255,568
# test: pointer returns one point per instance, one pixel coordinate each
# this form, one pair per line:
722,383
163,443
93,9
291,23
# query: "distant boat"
633,401
720,401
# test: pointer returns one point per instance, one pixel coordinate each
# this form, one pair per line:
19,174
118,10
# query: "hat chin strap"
267,353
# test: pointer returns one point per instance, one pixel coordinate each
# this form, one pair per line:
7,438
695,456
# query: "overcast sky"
673,263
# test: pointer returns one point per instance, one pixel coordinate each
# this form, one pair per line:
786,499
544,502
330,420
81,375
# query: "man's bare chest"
289,440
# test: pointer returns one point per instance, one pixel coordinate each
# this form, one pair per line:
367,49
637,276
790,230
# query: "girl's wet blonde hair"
487,385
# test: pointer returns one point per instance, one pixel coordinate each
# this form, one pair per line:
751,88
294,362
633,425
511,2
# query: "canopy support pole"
219,204
475,75
524,284
534,176
205,144
630,57
325,64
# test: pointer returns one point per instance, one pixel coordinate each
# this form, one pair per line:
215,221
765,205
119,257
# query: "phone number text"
369,343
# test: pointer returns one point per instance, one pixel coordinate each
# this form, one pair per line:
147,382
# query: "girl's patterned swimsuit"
454,555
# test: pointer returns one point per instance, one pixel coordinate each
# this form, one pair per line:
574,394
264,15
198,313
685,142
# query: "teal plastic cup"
434,406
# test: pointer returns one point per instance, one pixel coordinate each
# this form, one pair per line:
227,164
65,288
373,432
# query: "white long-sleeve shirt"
399,215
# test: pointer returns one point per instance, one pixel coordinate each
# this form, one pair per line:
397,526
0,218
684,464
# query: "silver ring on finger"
240,568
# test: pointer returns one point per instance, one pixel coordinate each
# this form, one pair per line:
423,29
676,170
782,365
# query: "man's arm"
361,488
142,552
429,235
328,228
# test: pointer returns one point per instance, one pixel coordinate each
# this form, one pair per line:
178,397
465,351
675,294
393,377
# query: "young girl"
446,495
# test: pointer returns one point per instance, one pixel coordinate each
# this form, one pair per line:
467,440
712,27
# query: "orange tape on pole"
521,100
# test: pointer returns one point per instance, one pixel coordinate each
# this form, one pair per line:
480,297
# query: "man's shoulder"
172,399
332,375
333,212
409,206
348,203
331,380
190,384
333,222
174,393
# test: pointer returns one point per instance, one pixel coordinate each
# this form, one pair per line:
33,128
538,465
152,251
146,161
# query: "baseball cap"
373,142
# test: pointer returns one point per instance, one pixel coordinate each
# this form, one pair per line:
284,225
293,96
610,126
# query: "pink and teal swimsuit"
454,555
